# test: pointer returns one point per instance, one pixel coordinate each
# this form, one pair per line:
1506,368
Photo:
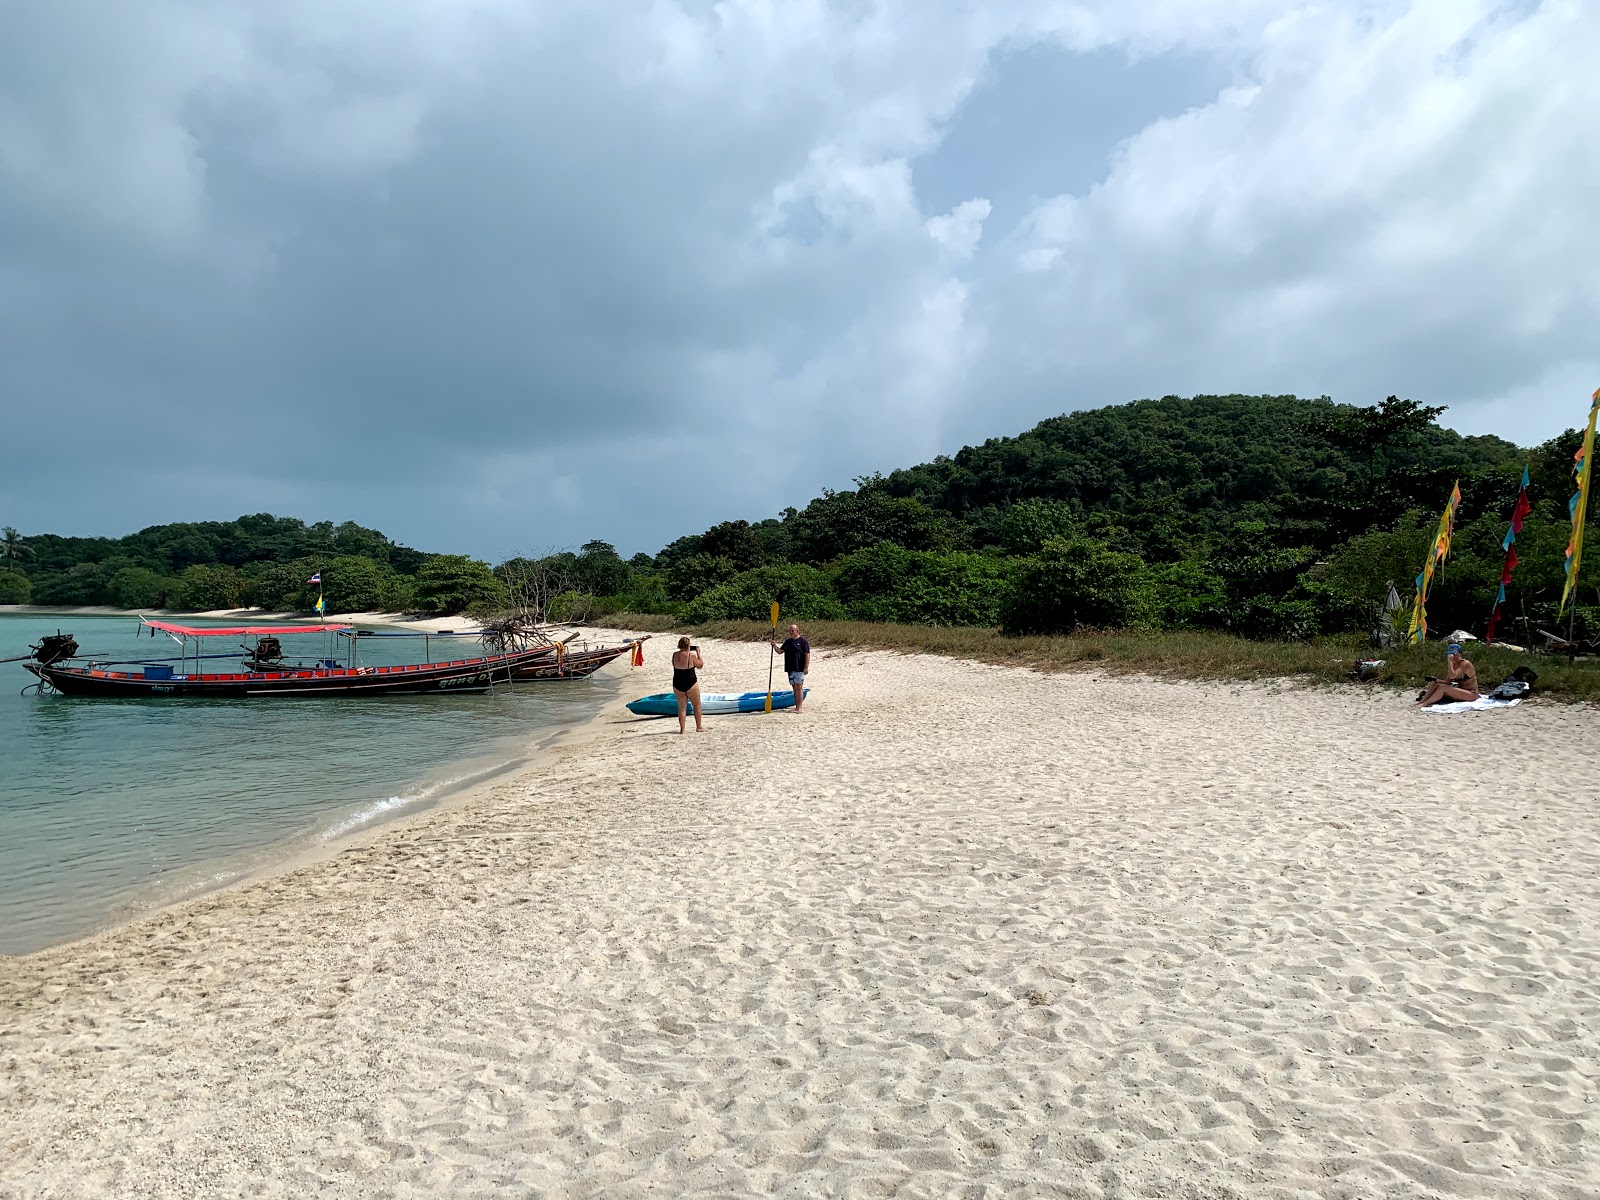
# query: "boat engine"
268,649
54,647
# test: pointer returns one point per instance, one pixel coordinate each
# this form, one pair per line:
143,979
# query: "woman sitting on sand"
685,683
1459,683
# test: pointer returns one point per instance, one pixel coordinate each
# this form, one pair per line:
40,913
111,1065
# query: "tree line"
1265,516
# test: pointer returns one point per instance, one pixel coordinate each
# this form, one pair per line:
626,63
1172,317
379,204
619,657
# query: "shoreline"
957,927
251,616
205,879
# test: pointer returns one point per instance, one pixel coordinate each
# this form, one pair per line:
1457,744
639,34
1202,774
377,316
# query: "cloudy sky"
493,275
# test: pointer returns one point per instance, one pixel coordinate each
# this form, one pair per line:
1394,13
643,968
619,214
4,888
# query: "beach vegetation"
201,587
15,588
803,592
140,588
14,548
1183,654
1078,582
453,583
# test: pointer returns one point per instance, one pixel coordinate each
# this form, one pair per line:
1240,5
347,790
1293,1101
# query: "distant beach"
958,929
247,616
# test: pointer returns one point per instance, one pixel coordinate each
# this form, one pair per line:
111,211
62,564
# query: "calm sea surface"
108,807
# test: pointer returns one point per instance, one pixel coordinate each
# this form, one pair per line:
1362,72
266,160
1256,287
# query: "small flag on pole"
317,578
321,607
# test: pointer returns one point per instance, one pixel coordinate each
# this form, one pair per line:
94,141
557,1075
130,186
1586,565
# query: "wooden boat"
576,664
665,704
476,674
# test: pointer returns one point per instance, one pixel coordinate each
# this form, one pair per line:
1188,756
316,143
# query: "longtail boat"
576,664
54,657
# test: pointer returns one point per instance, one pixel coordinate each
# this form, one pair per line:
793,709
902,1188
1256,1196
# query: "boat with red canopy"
54,658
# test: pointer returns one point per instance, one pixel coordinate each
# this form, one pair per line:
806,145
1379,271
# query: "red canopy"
235,630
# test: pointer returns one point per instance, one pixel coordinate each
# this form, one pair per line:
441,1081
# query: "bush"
200,588
140,587
1027,525
803,593
1077,582
889,583
83,583
1184,595
15,588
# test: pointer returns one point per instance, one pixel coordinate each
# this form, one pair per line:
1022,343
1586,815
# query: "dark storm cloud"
501,275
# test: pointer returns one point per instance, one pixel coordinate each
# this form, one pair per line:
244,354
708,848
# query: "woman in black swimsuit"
1460,681
685,683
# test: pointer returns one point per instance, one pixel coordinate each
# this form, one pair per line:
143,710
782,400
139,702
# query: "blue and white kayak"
665,704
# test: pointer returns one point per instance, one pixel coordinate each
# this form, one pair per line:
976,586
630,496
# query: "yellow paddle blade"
769,701
774,614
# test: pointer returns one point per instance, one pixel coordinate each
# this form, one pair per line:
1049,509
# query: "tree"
140,587
599,570
802,591
201,588
15,588
353,583
688,577
453,583
532,584
1029,524
13,548
1074,583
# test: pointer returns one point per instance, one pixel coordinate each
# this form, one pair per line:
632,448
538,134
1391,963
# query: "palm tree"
12,547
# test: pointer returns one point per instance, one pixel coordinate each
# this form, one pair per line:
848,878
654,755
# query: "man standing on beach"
796,662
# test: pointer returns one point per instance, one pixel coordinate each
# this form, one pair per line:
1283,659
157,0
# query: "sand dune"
955,931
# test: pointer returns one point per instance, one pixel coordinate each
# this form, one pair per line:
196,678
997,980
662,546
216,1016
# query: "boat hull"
665,704
461,675
579,664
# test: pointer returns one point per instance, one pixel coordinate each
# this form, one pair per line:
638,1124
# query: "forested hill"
1268,516
1202,463
260,560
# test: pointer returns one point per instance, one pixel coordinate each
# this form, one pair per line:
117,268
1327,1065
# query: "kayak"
665,704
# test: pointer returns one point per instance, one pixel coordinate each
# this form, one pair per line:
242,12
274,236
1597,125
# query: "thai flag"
317,578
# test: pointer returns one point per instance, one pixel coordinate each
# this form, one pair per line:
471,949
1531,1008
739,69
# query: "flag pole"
772,652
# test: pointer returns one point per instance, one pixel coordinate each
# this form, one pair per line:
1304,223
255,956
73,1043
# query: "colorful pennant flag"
1519,514
1582,461
321,607
1436,555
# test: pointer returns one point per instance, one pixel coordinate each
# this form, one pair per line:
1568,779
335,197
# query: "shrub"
140,587
200,588
15,588
1027,525
1077,582
1184,595
886,582
803,593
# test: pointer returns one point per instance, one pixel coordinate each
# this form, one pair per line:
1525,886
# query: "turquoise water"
108,807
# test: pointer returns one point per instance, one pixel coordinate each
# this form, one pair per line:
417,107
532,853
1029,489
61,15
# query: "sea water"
112,806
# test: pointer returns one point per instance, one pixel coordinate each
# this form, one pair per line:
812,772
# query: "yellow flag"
1583,460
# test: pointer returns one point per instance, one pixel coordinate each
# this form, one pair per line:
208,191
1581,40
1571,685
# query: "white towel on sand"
1482,702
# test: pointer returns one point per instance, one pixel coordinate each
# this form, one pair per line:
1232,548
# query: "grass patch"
1174,654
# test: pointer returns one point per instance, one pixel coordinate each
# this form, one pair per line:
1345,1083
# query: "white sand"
956,930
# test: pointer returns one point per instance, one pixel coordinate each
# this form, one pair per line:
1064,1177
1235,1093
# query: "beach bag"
1511,689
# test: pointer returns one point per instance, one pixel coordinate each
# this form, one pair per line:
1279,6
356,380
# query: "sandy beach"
956,930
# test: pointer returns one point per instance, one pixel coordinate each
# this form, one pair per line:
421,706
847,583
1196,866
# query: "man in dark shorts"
796,662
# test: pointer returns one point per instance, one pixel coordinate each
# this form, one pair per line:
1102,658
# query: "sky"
496,277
